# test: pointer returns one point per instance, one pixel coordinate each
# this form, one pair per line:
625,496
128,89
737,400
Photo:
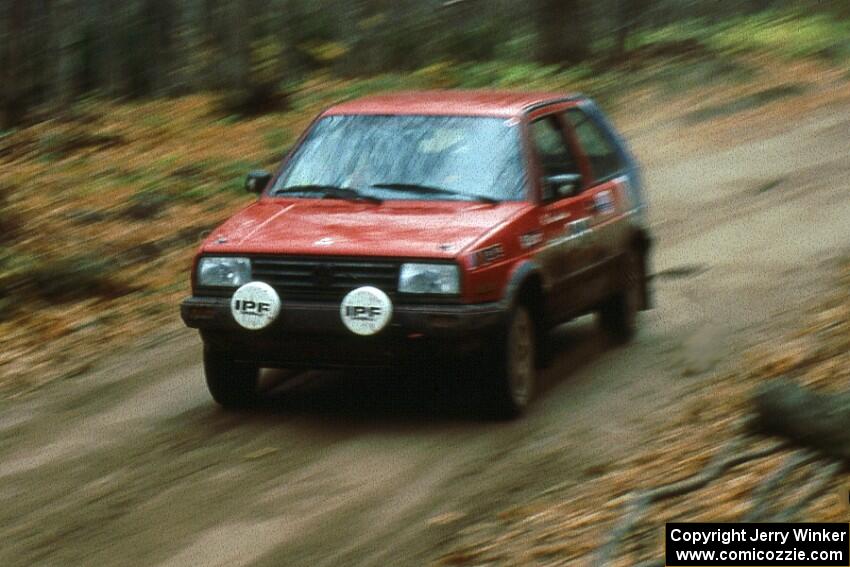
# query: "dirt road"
132,464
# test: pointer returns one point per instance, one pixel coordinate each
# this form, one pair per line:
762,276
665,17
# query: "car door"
564,219
605,199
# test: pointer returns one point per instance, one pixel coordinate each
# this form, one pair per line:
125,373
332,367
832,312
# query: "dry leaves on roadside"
566,529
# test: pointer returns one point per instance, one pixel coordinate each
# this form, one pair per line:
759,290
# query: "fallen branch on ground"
640,502
816,486
762,495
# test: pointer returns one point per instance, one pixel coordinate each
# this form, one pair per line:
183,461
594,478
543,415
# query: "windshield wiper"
431,190
332,191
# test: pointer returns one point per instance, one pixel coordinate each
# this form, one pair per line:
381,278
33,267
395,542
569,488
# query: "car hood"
426,229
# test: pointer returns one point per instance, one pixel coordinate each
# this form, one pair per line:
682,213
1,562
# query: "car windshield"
409,157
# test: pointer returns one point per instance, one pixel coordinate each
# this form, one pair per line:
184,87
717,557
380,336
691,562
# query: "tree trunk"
162,14
13,102
240,95
562,32
630,13
5,61
65,18
210,46
187,45
239,56
39,52
282,32
154,33
113,22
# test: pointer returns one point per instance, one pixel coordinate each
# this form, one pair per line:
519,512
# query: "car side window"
554,154
603,156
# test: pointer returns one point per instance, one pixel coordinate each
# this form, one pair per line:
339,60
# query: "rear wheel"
618,315
232,384
514,374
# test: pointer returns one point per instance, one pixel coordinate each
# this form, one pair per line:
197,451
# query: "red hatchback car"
412,225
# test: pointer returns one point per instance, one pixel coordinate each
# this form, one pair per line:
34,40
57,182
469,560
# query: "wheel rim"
521,361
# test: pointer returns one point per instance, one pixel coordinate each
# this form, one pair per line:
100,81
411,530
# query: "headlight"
429,278
226,271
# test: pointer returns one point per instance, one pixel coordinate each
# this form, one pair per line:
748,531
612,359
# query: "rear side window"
604,159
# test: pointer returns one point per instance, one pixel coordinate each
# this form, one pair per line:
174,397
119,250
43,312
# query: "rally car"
406,226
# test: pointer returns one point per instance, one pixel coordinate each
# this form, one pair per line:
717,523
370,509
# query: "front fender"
522,273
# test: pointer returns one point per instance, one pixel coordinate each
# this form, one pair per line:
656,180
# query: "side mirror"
563,184
257,181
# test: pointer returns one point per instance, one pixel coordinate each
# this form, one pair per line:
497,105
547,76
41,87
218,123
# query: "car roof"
451,103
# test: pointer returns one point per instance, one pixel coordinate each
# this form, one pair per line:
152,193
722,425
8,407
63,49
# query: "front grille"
322,279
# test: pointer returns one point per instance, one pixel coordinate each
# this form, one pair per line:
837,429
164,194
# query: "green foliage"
51,147
278,139
517,47
309,100
9,223
788,34
266,54
188,184
153,121
61,144
448,74
228,119
325,52
232,173
121,177
531,76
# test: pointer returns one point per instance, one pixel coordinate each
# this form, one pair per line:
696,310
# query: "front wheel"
232,384
618,315
514,374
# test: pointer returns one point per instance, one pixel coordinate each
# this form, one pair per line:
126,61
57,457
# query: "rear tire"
232,384
513,377
618,315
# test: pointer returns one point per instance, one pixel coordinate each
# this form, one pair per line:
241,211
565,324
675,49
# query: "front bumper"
311,334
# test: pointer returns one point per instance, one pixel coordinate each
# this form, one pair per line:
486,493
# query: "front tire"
232,384
514,378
